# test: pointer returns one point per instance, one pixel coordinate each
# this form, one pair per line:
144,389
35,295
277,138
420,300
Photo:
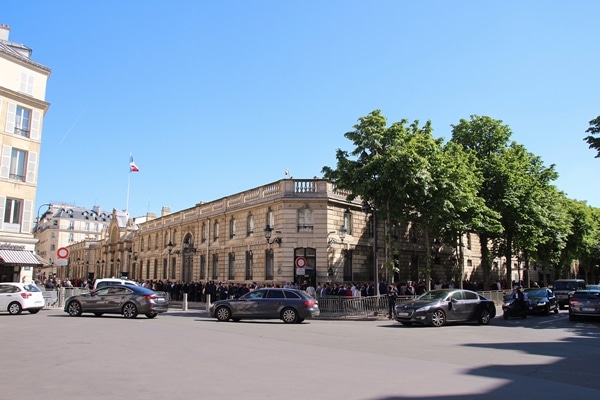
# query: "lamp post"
268,233
170,247
370,209
37,222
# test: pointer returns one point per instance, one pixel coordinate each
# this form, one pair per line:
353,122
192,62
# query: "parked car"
102,282
564,288
289,305
597,287
584,303
541,301
127,300
17,297
438,307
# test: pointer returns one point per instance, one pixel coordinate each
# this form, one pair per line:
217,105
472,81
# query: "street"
187,354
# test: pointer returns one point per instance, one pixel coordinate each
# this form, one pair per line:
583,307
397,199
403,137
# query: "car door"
272,304
93,302
456,306
114,298
7,293
248,305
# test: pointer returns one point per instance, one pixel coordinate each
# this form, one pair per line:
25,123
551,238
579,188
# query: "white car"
17,297
102,282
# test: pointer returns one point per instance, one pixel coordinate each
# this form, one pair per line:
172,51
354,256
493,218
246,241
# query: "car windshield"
434,295
536,293
589,295
570,285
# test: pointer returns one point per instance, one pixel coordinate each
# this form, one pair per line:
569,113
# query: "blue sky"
215,98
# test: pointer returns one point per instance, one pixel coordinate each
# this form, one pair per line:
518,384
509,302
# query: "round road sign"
300,262
63,252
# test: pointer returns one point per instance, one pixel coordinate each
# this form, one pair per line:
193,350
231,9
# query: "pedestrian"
392,295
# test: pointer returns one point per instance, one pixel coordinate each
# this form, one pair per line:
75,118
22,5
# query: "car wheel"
485,317
289,315
555,310
547,311
151,314
405,323
130,310
98,314
14,308
223,314
34,311
74,309
438,318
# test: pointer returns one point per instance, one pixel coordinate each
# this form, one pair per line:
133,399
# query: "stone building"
22,109
288,230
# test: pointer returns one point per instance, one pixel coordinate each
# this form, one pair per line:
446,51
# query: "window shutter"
26,224
11,112
34,132
5,164
26,83
31,167
2,206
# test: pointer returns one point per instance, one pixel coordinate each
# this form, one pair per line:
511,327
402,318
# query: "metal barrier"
55,298
356,307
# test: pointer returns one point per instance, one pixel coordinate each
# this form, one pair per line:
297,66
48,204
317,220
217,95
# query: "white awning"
19,257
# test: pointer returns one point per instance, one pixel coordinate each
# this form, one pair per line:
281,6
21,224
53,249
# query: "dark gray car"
541,301
438,307
126,300
289,305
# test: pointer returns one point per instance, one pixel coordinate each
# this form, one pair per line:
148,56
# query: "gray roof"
10,48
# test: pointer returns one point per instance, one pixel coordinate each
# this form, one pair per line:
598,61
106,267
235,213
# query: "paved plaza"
186,354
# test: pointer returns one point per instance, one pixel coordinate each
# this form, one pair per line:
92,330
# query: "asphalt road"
186,354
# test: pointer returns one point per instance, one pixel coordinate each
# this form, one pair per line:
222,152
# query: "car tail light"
150,297
309,303
25,295
573,301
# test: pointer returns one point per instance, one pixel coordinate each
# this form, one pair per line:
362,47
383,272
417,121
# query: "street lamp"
37,223
170,247
268,232
342,233
370,209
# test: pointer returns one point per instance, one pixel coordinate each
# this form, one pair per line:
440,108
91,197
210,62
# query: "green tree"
594,129
408,175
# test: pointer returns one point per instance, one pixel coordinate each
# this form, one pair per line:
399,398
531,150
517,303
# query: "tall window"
348,223
17,165
216,232
231,267
269,264
249,262
203,267
204,233
270,218
305,220
12,211
215,266
22,121
250,225
232,228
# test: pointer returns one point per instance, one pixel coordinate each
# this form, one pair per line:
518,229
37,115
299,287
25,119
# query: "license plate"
588,309
39,302
403,314
161,300
531,308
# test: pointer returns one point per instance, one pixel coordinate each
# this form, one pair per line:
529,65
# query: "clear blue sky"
213,98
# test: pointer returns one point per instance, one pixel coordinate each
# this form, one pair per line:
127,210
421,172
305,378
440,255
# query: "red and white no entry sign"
63,252
300,262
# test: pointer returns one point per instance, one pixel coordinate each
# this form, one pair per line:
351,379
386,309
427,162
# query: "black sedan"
541,301
128,301
289,305
438,307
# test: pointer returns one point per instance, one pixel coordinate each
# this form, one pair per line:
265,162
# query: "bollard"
185,302
207,302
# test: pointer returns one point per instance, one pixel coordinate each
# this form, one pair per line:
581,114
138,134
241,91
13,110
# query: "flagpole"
128,185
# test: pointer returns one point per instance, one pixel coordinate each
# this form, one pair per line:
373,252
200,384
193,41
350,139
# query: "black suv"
564,288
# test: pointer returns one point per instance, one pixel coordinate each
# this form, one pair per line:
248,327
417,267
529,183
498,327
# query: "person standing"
392,295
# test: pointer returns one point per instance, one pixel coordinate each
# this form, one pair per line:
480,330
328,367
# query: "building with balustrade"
290,230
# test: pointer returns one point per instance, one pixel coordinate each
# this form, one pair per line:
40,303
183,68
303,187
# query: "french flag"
132,166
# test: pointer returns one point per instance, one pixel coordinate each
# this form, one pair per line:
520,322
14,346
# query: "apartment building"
22,109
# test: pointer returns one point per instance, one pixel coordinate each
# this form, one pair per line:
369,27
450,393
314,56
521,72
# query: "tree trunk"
485,260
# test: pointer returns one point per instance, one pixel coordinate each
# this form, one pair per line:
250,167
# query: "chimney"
4,31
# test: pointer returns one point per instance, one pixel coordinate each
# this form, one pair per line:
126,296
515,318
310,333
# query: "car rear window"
31,288
292,295
587,295
568,285
275,294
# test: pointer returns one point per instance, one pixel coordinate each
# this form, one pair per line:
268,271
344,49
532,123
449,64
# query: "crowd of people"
197,291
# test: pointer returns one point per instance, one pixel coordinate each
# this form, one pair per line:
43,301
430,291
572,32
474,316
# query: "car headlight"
423,309
541,303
